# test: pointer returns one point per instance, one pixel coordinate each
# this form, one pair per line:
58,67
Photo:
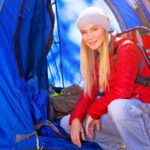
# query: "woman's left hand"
91,125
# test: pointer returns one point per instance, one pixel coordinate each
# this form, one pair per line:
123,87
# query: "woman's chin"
93,48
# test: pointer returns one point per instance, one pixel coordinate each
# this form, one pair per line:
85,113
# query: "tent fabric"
25,29
127,13
52,141
15,112
31,39
16,103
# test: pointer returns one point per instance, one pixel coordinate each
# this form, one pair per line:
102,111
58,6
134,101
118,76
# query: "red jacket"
121,83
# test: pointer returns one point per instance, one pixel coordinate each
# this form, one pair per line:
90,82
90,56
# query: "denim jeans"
126,123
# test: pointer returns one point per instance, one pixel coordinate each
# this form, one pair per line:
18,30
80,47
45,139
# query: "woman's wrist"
75,119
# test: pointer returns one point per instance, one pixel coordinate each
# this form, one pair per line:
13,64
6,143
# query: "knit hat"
94,15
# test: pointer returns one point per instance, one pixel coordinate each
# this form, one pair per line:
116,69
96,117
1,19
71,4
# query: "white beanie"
93,15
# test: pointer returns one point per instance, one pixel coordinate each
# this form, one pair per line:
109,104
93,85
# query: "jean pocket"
134,111
136,108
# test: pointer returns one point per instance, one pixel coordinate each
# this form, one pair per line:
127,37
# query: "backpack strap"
138,41
141,46
142,80
115,47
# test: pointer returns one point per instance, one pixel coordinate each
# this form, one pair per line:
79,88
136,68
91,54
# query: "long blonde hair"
88,69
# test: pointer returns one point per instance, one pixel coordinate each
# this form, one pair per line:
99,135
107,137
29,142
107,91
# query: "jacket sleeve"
126,71
80,110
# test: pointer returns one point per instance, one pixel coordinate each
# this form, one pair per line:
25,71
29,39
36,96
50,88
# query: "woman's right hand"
77,132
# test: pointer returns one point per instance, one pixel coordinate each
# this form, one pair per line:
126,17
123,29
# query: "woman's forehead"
89,26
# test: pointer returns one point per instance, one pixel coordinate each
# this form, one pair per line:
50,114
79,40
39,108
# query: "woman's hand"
91,125
77,132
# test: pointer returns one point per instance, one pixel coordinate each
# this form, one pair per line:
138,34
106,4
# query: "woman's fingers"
97,124
91,125
77,140
75,137
83,134
90,129
77,132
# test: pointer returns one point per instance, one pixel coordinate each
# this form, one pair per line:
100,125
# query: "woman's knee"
64,123
116,109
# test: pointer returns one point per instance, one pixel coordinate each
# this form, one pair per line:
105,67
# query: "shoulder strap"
142,80
115,47
140,44
135,35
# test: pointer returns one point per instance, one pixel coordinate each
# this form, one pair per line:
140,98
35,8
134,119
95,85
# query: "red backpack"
141,37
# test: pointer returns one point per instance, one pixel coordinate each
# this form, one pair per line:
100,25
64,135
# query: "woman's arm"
82,105
126,71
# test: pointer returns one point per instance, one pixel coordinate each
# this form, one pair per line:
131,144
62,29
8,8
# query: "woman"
120,116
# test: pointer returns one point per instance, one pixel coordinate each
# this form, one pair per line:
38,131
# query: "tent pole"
117,15
61,66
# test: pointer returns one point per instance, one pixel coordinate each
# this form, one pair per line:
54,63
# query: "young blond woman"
121,115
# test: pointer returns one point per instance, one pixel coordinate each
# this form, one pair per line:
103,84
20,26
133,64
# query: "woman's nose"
89,35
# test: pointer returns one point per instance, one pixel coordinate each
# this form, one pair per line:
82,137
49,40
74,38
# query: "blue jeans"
126,123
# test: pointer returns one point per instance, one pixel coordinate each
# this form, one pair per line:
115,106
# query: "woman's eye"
95,29
83,33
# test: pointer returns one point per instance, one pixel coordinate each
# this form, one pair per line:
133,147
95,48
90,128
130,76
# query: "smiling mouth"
91,43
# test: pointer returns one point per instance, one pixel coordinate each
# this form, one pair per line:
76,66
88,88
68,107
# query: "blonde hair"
88,69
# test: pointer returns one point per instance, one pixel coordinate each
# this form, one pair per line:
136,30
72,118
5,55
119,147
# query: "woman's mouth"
92,43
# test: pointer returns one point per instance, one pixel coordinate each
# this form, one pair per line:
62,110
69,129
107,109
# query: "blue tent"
32,58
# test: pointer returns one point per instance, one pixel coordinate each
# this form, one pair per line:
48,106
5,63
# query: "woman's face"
92,35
